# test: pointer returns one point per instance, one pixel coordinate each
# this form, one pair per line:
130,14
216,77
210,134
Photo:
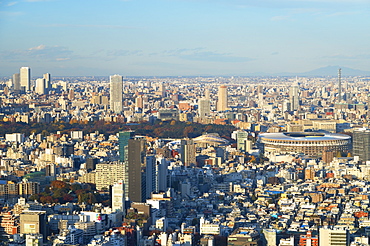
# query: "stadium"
308,143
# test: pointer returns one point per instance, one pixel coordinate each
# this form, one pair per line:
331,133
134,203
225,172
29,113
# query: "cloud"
90,26
125,53
11,4
9,14
34,1
38,53
200,54
348,57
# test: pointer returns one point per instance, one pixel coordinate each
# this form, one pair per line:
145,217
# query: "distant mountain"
333,71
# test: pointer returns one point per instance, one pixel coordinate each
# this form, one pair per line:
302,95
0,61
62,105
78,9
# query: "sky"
182,37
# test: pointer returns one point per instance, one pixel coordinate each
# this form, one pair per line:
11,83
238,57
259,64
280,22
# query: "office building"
91,163
188,151
161,174
123,138
108,174
118,197
47,78
294,97
25,78
40,86
204,108
33,222
361,144
222,103
241,137
116,96
134,181
333,237
16,82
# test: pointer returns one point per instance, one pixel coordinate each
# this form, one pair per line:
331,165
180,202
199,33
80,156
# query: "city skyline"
182,37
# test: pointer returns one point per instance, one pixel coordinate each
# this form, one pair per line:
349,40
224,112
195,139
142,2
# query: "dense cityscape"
256,161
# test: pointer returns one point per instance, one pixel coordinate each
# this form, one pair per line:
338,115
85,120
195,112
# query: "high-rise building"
332,237
16,82
204,108
150,176
116,96
241,137
188,150
294,97
108,174
161,174
25,78
222,103
47,78
118,197
361,144
40,86
123,138
133,173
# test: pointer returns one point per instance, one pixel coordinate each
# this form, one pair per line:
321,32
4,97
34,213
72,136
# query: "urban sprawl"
170,161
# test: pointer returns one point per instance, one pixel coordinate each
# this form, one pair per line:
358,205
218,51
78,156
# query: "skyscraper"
222,103
134,181
123,138
204,108
118,197
25,78
16,82
188,150
116,96
294,98
361,144
47,78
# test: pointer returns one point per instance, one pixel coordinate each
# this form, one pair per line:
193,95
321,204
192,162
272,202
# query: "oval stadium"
308,143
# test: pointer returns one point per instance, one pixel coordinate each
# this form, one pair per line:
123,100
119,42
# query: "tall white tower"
118,197
116,90
222,103
25,78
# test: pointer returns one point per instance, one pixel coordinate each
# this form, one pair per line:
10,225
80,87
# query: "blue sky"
182,37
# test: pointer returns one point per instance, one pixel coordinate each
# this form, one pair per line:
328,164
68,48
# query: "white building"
118,197
116,93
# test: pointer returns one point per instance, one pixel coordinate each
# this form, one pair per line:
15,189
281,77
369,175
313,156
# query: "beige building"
222,103
330,237
108,174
